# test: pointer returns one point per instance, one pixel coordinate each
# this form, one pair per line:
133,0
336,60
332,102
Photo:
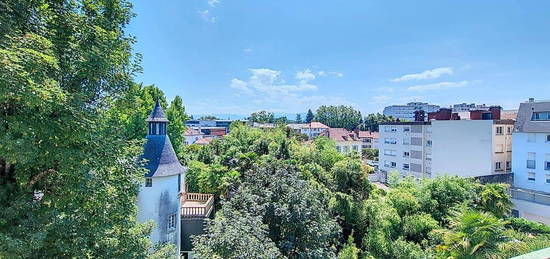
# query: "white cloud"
205,15
438,86
213,3
240,85
247,50
305,76
322,73
336,74
428,74
333,74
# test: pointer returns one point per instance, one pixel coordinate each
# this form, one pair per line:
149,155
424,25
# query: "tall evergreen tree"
177,117
309,116
298,118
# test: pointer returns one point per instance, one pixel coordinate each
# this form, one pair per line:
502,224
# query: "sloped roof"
192,132
316,125
369,134
340,134
204,141
161,157
157,114
525,112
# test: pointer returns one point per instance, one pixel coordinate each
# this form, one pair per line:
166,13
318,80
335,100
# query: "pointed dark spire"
157,115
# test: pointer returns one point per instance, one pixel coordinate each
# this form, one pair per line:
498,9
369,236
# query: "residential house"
531,161
192,135
346,141
312,129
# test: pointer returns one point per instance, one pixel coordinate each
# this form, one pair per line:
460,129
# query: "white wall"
532,211
341,146
156,203
462,147
192,139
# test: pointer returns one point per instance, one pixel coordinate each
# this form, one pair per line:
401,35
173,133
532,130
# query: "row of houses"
482,144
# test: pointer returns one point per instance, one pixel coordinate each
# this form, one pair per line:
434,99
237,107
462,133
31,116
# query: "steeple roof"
157,115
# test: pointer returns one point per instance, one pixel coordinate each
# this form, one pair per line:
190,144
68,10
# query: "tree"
298,118
68,177
372,121
339,116
494,198
309,116
349,251
177,117
370,153
262,117
208,117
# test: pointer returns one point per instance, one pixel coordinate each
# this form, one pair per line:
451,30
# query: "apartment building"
531,156
370,139
467,148
406,112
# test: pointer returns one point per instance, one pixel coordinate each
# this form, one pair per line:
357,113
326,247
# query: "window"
390,141
393,129
346,149
389,152
386,163
406,141
547,178
393,164
406,167
531,137
547,138
172,221
148,182
406,129
531,162
508,165
509,130
531,176
355,148
428,143
500,130
540,116
498,166
406,154
339,148
515,213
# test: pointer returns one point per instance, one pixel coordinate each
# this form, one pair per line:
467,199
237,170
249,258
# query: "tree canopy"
339,116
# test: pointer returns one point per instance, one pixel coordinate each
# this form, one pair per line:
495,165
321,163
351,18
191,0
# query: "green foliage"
370,153
471,232
350,177
262,117
177,117
526,226
339,116
214,179
298,118
208,117
372,121
349,251
494,198
68,177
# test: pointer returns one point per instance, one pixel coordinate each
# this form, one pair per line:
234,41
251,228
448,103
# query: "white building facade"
531,157
312,129
406,112
466,148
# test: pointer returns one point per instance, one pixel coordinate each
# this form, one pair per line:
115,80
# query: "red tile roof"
192,132
340,134
369,134
204,141
315,125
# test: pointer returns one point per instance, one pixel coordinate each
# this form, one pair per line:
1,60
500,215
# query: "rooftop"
192,132
196,205
161,157
340,134
157,114
524,122
368,134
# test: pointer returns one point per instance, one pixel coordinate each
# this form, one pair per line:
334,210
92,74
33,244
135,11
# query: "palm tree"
471,232
494,198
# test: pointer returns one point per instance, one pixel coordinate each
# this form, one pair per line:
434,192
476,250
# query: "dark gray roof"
157,115
161,158
525,112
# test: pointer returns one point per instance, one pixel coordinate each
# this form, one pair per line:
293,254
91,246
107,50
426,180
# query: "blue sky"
240,56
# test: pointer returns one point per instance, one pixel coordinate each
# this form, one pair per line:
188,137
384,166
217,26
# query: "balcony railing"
196,205
531,195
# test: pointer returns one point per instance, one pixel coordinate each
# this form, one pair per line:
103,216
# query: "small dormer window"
148,182
540,116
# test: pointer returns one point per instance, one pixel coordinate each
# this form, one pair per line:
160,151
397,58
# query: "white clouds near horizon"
428,74
438,86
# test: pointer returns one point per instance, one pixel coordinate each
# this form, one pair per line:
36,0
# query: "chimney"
531,100
495,110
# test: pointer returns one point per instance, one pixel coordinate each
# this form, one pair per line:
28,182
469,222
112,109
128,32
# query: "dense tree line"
338,116
282,198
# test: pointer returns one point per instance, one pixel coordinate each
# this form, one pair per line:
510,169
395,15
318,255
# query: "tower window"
172,221
148,182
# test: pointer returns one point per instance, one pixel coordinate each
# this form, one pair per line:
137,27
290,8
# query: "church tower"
158,197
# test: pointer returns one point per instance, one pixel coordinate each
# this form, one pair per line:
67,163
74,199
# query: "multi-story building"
370,139
209,124
406,112
312,129
466,107
531,157
467,148
346,141
191,136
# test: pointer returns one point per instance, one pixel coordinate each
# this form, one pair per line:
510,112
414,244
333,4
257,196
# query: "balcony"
196,205
531,196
